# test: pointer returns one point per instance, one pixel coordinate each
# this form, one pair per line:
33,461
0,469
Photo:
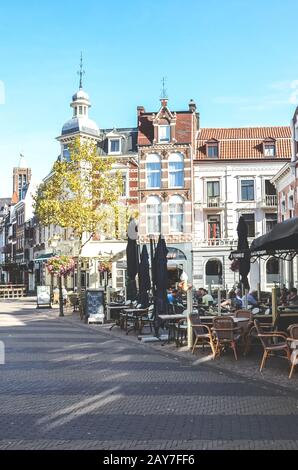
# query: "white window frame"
125,174
176,157
168,133
151,200
112,139
266,149
176,199
153,158
247,178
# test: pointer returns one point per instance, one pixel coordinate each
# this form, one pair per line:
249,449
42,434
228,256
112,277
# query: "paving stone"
67,385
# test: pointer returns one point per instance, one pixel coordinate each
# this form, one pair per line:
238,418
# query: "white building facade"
232,174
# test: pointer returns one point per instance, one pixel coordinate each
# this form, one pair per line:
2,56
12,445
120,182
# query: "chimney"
140,110
192,106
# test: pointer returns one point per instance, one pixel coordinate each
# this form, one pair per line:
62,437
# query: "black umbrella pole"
152,270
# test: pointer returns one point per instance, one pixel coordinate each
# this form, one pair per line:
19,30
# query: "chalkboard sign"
95,304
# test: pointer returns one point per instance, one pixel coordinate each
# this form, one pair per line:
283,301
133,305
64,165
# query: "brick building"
166,147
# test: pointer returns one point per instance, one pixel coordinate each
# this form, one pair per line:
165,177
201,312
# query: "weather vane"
81,72
163,90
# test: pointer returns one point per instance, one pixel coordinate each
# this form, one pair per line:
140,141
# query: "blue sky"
236,58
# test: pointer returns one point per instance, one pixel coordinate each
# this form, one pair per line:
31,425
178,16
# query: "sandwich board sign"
43,296
95,305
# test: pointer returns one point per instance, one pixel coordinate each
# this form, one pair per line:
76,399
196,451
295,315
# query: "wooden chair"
292,341
272,342
246,328
147,319
226,334
202,333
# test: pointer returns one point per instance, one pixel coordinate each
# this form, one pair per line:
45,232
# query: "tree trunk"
61,314
79,281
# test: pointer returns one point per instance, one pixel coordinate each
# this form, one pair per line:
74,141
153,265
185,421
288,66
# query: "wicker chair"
272,342
203,334
226,334
246,328
292,340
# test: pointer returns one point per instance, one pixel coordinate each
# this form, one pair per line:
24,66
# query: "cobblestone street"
66,385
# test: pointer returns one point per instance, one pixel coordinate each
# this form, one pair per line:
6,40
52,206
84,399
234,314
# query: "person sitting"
238,298
293,297
251,299
172,296
232,301
207,299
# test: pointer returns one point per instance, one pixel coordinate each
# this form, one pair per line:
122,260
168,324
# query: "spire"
81,72
22,161
164,94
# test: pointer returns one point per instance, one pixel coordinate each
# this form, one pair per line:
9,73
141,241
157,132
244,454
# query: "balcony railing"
212,242
270,200
213,201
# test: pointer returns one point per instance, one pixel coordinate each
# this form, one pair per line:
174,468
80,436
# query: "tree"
60,266
78,194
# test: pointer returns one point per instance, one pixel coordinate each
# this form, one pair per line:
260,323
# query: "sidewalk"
275,372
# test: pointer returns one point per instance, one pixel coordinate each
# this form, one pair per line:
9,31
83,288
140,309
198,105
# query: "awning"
281,242
283,236
44,257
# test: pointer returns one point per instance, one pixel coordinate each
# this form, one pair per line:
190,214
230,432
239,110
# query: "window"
270,194
124,185
272,271
164,133
250,222
114,146
213,193
176,211
153,170
212,150
247,190
271,220
153,215
66,153
176,171
81,109
213,271
269,149
291,202
213,227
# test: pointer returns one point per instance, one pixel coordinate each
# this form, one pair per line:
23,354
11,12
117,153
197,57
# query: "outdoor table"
116,308
173,319
136,313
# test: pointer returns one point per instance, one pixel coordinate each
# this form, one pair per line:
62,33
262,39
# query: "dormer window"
114,146
212,149
164,134
269,148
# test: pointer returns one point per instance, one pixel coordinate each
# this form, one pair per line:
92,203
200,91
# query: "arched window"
153,214
176,170
213,271
153,170
176,211
272,271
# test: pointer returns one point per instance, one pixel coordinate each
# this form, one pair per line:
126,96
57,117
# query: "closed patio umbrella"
161,277
144,278
244,263
132,265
